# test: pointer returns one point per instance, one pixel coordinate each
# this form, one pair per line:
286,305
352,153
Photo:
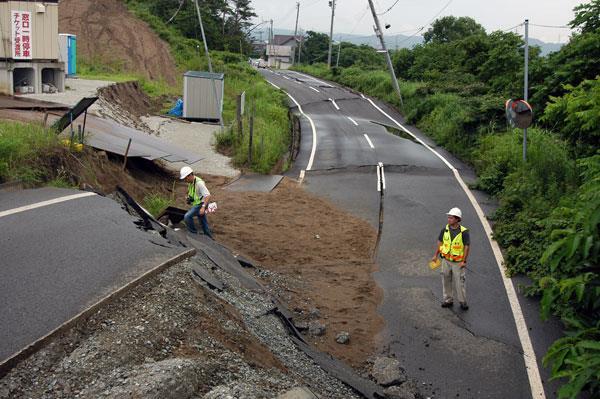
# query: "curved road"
474,354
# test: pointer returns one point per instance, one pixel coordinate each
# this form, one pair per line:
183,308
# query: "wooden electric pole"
379,34
332,4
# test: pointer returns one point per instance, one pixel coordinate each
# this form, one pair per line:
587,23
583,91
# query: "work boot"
447,304
464,306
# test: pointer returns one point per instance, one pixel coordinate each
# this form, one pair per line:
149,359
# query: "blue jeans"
189,221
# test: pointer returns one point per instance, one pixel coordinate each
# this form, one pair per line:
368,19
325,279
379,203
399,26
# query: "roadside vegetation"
454,87
271,122
27,152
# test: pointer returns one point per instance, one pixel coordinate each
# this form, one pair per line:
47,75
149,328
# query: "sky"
407,16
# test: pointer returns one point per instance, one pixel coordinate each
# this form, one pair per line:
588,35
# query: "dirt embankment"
108,33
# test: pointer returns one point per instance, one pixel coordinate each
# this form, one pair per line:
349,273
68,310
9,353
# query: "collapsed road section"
202,327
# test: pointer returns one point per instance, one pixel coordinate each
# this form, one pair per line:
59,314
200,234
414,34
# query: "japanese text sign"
21,35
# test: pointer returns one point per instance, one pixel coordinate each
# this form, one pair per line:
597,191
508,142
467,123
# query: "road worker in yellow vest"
453,247
197,196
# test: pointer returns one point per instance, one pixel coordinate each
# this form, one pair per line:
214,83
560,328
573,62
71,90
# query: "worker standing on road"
453,247
198,196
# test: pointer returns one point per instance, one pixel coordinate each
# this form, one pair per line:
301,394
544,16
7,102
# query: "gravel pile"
171,337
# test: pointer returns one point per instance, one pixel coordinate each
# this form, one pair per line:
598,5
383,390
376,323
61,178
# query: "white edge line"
533,373
378,177
313,78
45,203
314,89
353,121
383,176
334,104
363,96
274,85
413,136
314,134
369,141
302,174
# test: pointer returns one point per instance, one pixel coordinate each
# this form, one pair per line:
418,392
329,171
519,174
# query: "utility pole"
337,62
332,5
300,49
296,29
379,34
526,85
271,42
214,85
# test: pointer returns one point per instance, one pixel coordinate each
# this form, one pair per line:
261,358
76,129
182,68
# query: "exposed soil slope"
106,31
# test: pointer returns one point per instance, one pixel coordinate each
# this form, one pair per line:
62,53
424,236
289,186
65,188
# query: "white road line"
274,85
314,89
45,203
314,134
353,121
313,78
302,174
369,141
363,96
533,372
285,77
334,104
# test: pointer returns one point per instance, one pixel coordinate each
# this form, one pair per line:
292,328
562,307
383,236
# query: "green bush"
22,146
570,285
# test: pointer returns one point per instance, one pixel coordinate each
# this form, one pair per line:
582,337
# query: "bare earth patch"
325,252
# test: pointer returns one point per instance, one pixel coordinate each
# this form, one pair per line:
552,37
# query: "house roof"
280,40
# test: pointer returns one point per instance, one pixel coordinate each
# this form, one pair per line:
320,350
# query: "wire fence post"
251,134
239,116
126,155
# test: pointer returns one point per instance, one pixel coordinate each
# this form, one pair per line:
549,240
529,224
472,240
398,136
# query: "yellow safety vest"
453,250
196,197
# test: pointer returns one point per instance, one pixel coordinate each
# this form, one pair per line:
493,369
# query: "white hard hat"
185,171
455,212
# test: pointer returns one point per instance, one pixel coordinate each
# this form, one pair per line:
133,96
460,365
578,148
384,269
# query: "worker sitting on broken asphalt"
197,196
453,246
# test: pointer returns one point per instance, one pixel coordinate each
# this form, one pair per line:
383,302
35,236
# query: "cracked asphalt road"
58,259
472,354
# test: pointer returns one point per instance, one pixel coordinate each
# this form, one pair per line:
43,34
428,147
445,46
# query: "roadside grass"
22,147
156,203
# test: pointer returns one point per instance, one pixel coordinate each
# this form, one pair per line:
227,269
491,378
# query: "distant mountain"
397,41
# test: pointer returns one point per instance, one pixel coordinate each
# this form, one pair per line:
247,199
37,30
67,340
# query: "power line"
390,8
551,26
511,28
176,12
360,19
427,24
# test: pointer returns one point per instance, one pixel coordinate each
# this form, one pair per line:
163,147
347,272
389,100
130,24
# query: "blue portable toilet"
67,44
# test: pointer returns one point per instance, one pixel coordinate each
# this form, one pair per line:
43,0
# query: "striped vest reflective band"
453,250
196,198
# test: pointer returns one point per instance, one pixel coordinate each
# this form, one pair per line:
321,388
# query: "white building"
29,54
282,52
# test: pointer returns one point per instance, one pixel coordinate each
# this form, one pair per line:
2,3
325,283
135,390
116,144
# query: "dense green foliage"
316,47
225,21
271,130
454,87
